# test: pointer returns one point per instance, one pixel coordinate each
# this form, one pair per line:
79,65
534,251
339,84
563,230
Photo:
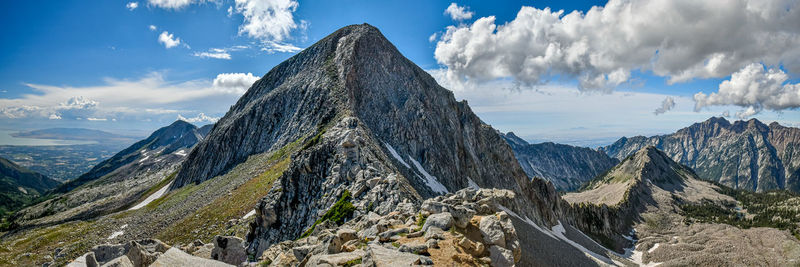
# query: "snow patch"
251,213
653,248
181,153
115,234
430,180
143,159
395,155
152,197
472,184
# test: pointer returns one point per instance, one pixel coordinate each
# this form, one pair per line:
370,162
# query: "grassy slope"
35,246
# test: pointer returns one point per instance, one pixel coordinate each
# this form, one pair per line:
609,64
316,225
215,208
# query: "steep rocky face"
19,186
371,124
567,167
644,199
744,154
119,181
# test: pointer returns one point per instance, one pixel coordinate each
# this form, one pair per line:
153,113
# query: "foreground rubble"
467,228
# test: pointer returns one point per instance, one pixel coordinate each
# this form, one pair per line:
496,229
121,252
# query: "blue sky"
100,64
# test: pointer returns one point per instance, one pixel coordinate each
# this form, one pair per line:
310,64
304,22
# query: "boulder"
176,257
462,215
379,256
501,257
121,261
346,234
434,233
475,249
415,248
386,236
492,231
442,220
335,259
229,249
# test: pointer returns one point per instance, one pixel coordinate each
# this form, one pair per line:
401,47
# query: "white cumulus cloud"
755,88
271,21
458,12
132,5
677,39
168,39
171,4
666,105
152,27
234,82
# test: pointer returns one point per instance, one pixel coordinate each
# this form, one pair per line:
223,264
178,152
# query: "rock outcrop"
567,167
744,155
409,236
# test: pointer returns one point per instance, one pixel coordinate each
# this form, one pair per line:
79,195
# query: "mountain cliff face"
362,121
649,196
19,186
118,181
744,155
567,167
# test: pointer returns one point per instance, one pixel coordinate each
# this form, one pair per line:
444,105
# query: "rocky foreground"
468,228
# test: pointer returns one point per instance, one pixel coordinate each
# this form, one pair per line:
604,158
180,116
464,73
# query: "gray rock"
379,256
414,248
121,261
176,257
442,220
434,233
229,249
501,257
346,234
386,236
462,215
492,231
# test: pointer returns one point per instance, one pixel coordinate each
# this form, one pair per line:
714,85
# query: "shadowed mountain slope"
567,167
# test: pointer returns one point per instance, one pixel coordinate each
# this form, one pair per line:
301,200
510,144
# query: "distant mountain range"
19,186
744,154
567,167
75,134
120,180
678,219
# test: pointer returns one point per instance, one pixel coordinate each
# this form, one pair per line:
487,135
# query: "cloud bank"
140,99
677,39
754,88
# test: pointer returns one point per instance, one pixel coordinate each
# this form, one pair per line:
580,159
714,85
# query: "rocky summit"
744,154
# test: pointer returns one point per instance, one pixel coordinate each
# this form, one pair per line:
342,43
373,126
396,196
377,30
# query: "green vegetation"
338,213
352,263
31,248
211,218
775,209
420,221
